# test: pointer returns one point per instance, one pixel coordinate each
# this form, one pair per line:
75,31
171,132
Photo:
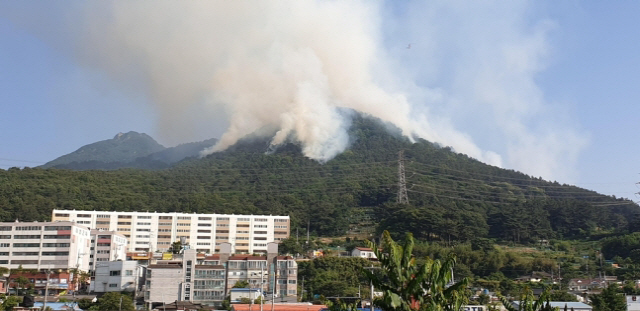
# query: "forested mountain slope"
452,197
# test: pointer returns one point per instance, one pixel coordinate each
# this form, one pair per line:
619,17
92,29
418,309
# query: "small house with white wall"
364,252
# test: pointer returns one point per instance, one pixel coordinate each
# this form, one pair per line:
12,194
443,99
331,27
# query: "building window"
261,219
143,230
144,217
102,222
166,217
113,285
184,224
29,228
55,253
204,225
184,217
103,216
55,228
144,224
114,273
204,218
259,232
224,225
243,219
83,215
128,272
259,226
124,223
65,237
26,244
26,236
124,216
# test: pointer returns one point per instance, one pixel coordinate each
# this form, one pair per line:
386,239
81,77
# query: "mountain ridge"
452,197
128,150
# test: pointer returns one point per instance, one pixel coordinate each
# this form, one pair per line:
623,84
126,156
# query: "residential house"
364,252
116,276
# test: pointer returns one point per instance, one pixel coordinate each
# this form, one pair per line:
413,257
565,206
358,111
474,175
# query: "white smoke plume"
294,64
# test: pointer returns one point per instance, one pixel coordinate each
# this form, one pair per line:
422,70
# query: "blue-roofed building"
576,306
59,306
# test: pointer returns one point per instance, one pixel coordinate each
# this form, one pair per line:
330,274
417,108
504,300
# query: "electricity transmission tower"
402,198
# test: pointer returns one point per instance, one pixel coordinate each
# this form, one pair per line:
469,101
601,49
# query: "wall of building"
115,276
204,232
44,245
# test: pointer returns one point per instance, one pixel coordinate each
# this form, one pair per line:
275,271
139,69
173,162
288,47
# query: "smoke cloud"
294,65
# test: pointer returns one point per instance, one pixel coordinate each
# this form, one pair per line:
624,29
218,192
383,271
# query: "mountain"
130,150
124,147
452,197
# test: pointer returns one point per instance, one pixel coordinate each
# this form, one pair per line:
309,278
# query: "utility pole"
402,198
46,290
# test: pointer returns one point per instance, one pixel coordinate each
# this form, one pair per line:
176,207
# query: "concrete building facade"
149,232
208,280
116,276
44,245
106,246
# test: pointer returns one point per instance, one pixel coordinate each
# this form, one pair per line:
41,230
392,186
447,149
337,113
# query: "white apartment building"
149,232
106,246
44,245
116,276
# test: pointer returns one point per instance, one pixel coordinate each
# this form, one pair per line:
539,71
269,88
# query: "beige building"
208,280
44,245
149,232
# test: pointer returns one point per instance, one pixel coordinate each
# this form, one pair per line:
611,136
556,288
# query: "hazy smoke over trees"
292,66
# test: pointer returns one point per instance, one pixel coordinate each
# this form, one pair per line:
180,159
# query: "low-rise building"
59,281
364,252
237,294
209,279
116,276
633,302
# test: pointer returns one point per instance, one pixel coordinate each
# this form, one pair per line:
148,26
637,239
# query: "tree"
562,295
528,302
241,284
115,301
409,286
176,247
10,302
85,303
609,300
22,283
290,246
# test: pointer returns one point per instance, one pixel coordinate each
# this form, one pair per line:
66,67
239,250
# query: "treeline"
452,197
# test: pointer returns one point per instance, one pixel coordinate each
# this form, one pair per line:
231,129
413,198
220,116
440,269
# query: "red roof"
279,307
366,249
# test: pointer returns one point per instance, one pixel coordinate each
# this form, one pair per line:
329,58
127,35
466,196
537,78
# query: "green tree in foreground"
528,302
112,301
609,300
408,286
10,302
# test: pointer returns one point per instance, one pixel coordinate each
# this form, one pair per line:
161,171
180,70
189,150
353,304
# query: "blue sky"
546,87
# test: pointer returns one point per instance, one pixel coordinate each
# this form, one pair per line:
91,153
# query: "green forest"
452,197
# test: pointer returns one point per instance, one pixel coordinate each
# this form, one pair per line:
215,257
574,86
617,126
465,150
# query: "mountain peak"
124,147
